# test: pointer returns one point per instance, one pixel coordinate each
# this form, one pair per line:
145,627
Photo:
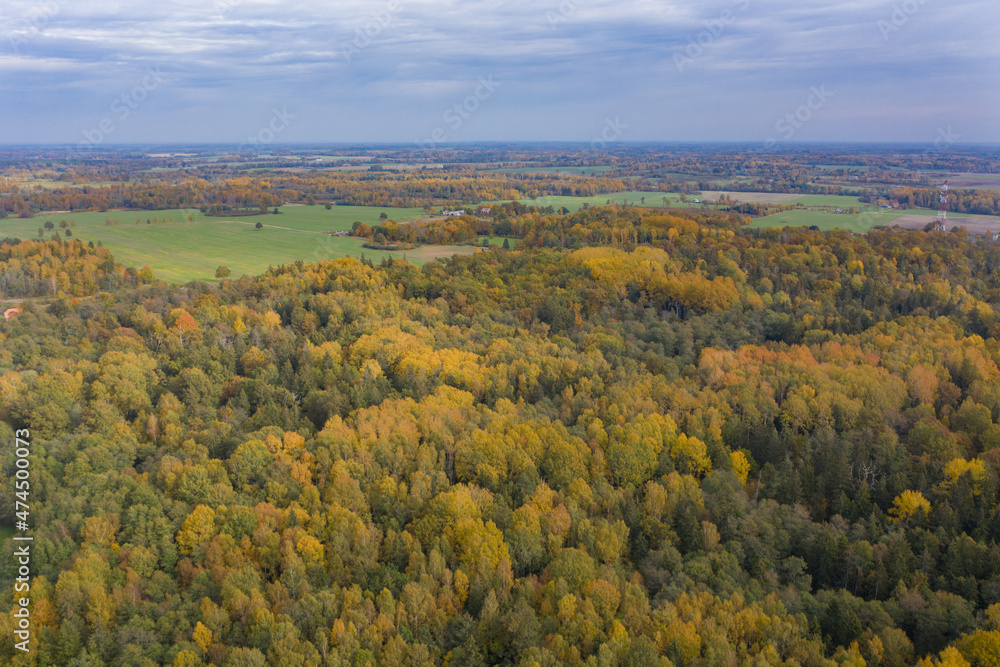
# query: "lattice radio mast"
942,216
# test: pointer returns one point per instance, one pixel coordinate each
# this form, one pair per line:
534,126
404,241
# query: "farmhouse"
454,214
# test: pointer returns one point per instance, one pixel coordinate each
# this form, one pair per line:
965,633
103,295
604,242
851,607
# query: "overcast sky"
110,71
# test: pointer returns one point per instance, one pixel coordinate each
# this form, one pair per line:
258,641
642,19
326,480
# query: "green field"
820,213
180,250
574,204
833,201
827,221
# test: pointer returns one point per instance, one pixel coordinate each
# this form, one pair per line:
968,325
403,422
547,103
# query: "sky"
100,72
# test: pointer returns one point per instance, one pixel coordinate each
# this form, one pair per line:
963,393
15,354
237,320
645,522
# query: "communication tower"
942,216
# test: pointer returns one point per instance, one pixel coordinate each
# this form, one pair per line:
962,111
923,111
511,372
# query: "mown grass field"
870,217
834,201
652,199
183,250
827,221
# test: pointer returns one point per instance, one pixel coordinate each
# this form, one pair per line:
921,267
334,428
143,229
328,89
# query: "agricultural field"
566,171
49,184
179,250
870,217
650,199
337,158
830,201
845,167
931,213
386,166
974,224
750,197
974,181
319,219
824,220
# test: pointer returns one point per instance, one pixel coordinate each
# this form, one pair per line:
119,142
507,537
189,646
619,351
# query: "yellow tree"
197,529
950,657
908,505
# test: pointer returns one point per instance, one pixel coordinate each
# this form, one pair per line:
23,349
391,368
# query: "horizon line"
523,142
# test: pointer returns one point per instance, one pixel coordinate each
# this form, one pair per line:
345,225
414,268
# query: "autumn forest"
653,433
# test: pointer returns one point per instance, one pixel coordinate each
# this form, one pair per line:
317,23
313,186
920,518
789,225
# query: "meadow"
831,201
825,220
649,199
180,250
750,197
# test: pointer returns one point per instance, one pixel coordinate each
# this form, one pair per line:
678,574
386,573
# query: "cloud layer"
410,70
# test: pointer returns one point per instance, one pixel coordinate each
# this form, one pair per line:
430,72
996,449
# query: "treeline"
435,188
50,268
269,189
716,446
761,209
242,192
541,227
979,202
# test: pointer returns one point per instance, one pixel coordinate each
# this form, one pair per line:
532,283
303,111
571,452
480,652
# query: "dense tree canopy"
48,268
